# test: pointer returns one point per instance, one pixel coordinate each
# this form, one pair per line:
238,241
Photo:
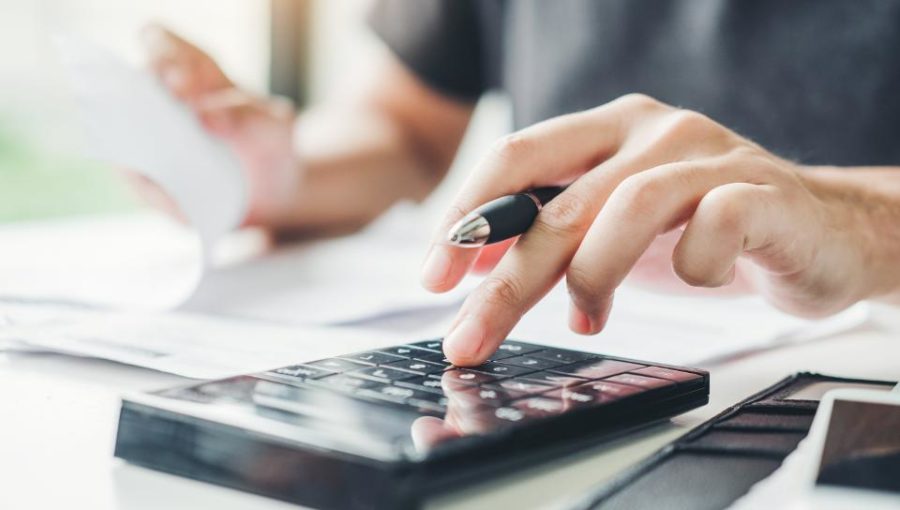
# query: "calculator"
389,428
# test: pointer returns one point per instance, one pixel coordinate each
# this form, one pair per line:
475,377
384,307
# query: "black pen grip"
509,216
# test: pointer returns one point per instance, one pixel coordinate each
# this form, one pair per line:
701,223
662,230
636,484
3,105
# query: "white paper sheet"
184,344
668,328
680,329
351,279
133,121
129,261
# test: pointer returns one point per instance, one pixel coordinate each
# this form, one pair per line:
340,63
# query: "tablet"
854,451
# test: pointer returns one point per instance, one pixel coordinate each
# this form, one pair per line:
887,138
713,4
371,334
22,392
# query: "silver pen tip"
472,231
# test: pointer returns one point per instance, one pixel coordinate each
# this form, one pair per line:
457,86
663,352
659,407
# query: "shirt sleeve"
439,40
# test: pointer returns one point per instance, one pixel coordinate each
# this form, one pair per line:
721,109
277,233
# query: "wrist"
863,211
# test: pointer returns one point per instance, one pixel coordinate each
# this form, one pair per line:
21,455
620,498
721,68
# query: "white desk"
58,417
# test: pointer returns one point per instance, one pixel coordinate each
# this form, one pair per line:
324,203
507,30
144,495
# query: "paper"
184,344
134,122
351,279
128,261
680,329
144,258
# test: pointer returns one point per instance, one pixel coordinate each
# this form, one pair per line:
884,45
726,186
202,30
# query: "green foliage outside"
36,185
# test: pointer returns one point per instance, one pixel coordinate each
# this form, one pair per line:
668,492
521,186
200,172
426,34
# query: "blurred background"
295,48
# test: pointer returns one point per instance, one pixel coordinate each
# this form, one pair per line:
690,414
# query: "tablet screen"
862,446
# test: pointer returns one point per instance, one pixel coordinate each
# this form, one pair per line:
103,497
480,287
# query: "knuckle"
639,101
513,147
583,286
566,214
726,210
637,195
502,291
690,273
688,122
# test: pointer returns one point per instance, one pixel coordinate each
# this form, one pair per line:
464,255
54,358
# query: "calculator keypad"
521,382
418,366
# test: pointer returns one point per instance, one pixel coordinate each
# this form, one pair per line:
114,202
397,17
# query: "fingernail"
436,269
463,343
579,321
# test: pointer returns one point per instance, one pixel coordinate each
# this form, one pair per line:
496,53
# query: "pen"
501,219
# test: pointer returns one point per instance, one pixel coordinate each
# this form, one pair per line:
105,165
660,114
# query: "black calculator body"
387,429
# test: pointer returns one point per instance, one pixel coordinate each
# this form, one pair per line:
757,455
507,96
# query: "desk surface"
58,417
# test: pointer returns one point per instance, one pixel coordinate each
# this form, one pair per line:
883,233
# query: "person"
741,146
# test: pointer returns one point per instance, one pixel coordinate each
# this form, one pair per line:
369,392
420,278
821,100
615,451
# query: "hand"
259,130
640,169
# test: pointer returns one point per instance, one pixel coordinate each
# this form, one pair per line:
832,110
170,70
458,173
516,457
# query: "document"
146,261
681,329
131,120
185,344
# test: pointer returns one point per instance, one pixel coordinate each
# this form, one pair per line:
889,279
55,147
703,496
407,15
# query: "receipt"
132,121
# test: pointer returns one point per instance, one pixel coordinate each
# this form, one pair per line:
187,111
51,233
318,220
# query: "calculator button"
579,396
500,370
418,366
640,381
530,362
554,379
383,374
336,364
470,397
610,389
343,382
404,351
517,388
423,383
432,345
597,369
669,374
540,406
516,348
466,376
276,390
508,415
388,392
429,401
434,357
563,356
303,372
373,358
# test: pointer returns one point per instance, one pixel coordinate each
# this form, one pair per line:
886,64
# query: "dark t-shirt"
817,81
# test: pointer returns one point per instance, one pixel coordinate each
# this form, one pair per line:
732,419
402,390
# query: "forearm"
355,164
390,139
870,201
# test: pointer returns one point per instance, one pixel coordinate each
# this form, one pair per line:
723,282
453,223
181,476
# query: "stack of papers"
184,344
